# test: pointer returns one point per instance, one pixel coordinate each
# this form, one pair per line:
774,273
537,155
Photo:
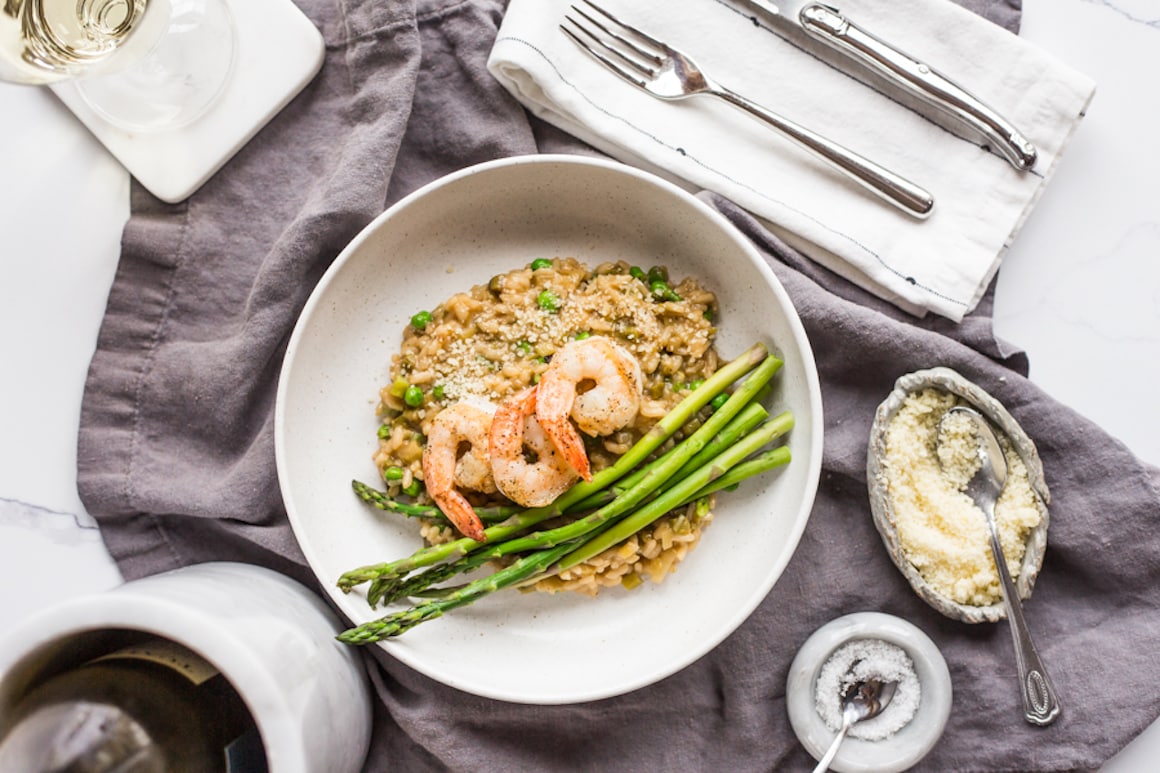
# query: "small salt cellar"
864,645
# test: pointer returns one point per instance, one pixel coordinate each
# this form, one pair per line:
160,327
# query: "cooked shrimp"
527,467
594,382
457,456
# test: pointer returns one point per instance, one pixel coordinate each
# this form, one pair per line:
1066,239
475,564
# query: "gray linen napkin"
176,456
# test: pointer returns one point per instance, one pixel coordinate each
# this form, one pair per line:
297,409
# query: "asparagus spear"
665,469
768,460
750,417
383,501
570,545
401,622
392,590
685,489
643,486
661,431
384,591
710,459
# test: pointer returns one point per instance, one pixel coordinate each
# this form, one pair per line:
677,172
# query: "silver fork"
664,72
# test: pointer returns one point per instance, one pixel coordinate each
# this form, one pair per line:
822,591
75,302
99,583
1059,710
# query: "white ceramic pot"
270,636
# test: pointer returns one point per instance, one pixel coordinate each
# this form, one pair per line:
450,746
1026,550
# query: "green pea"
539,263
718,401
696,383
548,301
412,490
582,335
709,314
662,292
384,431
393,473
438,391
421,320
413,396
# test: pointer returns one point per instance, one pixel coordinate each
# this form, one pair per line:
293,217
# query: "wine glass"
141,65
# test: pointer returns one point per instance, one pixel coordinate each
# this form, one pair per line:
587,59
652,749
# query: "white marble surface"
1079,290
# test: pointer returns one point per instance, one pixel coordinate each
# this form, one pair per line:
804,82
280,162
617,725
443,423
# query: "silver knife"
802,21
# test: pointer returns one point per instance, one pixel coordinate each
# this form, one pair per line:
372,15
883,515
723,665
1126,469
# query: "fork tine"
616,67
655,58
642,61
626,27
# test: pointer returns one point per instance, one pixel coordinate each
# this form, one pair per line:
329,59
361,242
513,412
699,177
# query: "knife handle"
829,26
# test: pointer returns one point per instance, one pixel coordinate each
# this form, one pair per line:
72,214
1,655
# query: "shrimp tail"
568,442
460,512
441,464
558,427
610,401
515,432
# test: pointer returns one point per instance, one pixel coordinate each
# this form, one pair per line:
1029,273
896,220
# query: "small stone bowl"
881,505
893,754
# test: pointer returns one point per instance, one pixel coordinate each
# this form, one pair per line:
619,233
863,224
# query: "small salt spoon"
860,701
1040,702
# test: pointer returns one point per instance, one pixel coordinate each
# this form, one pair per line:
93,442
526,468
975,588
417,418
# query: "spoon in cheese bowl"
962,431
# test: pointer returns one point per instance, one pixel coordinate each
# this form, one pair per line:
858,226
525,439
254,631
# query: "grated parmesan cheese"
941,531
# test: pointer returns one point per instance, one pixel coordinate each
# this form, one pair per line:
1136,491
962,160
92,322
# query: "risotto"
488,343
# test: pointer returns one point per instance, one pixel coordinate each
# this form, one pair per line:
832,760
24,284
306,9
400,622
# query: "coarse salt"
860,660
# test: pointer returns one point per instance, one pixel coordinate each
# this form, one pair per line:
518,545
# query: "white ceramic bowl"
272,638
899,751
460,231
882,508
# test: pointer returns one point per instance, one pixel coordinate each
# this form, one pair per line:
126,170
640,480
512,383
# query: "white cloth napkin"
942,264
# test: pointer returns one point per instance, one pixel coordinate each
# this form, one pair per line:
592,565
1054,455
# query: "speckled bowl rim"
949,380
911,743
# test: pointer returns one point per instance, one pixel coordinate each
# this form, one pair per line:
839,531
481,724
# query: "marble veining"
71,526
1140,12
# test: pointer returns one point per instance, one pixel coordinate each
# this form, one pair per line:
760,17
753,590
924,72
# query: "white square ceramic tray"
279,51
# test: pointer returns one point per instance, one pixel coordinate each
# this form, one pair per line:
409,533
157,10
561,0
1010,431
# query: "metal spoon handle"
824,762
1040,702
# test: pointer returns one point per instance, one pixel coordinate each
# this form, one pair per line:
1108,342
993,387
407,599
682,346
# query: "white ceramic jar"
271,637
